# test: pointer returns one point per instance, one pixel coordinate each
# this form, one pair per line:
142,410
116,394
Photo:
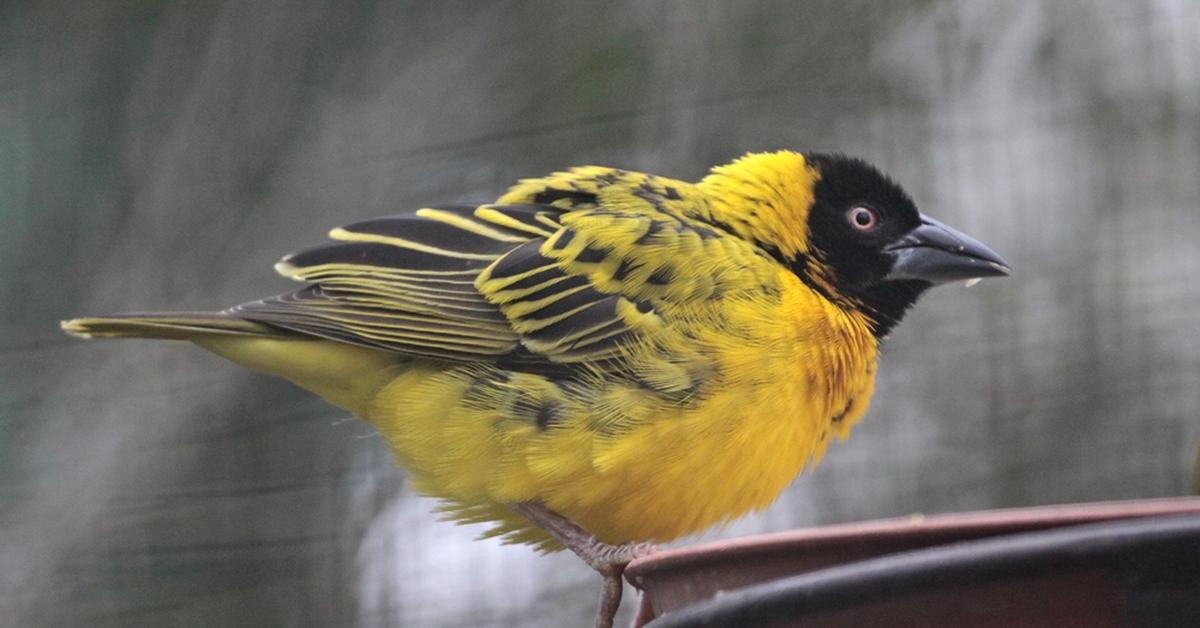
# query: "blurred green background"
163,155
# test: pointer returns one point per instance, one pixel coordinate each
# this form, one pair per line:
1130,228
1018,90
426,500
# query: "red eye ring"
862,218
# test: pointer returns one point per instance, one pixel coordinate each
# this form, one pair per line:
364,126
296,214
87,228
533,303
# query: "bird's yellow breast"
780,377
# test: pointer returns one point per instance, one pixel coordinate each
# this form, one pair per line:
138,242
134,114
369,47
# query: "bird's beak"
937,253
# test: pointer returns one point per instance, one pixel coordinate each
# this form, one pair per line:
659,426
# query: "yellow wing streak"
502,219
472,226
351,236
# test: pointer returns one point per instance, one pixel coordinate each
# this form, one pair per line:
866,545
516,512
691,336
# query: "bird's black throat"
884,304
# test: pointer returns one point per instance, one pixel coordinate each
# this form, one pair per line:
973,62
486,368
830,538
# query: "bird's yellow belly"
730,455
679,470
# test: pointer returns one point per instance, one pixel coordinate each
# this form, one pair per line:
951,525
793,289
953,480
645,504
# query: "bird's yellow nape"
781,185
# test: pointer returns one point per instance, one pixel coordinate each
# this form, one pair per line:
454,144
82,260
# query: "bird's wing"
635,252
589,288
406,283
543,280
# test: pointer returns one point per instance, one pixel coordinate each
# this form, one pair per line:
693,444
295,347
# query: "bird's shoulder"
642,235
601,187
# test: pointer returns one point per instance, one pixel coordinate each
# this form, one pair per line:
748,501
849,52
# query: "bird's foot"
608,560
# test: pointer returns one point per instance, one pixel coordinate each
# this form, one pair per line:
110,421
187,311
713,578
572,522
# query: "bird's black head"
873,250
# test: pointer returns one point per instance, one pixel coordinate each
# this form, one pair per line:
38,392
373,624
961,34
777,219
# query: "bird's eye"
862,218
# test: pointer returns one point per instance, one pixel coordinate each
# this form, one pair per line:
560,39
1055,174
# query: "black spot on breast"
839,417
547,415
672,194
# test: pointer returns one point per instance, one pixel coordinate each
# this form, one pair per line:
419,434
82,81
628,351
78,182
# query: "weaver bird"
603,358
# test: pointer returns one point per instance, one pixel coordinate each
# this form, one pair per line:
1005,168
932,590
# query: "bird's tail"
168,325
347,375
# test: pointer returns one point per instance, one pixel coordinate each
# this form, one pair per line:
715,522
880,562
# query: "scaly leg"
608,560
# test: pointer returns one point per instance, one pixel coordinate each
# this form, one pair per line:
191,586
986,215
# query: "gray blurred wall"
165,154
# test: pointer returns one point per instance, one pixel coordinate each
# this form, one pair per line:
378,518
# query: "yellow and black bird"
603,358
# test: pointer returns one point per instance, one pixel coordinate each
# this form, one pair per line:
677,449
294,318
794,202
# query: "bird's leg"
608,560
